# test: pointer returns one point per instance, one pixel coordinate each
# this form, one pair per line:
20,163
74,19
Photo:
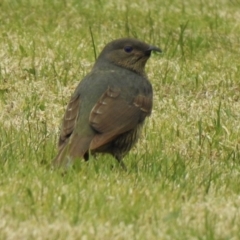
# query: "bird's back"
131,85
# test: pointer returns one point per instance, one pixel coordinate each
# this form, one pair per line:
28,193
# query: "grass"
183,176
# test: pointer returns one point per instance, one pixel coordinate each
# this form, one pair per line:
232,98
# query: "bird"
108,108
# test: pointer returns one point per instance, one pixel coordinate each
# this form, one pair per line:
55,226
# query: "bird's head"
128,53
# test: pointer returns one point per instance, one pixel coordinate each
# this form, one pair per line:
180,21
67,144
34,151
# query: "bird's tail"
74,149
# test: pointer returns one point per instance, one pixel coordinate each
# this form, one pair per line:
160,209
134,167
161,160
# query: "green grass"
183,178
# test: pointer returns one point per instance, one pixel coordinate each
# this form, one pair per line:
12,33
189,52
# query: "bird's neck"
108,65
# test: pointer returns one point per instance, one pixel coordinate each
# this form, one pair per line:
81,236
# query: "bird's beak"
152,48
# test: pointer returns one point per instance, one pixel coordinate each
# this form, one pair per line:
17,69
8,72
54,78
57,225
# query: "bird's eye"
128,49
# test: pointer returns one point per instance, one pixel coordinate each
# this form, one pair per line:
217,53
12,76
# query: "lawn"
183,177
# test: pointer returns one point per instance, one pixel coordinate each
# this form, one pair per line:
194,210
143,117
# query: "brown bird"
108,108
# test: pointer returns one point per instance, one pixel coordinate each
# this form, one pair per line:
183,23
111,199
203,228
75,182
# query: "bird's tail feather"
74,149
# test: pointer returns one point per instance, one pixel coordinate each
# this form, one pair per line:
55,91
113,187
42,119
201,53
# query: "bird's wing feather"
112,115
69,120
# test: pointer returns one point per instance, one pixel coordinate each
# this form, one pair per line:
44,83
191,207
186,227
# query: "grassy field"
183,178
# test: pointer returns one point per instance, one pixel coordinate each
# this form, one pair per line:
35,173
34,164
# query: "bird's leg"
119,159
86,156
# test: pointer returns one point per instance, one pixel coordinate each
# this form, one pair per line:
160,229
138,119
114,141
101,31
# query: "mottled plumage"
107,110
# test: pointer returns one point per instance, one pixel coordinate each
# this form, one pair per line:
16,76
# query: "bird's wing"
69,120
112,115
